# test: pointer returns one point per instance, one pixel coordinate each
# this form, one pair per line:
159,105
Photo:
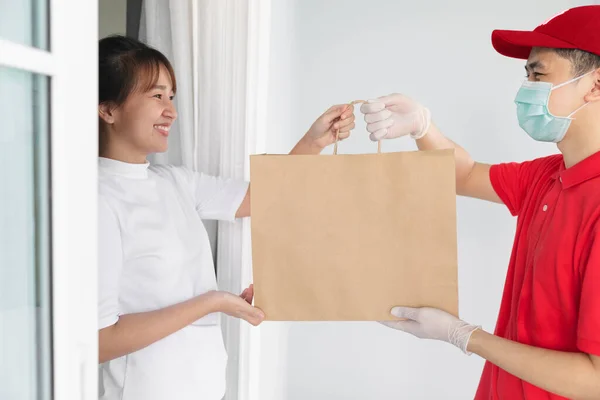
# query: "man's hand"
396,115
431,323
569,374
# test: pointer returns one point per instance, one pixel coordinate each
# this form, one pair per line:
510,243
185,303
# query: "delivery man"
547,339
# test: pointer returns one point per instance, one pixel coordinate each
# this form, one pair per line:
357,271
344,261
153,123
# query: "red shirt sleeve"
513,181
588,326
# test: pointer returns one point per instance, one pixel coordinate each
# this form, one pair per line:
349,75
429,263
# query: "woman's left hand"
248,294
323,131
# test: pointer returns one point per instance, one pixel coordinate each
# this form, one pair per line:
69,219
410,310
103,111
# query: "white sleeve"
218,198
110,263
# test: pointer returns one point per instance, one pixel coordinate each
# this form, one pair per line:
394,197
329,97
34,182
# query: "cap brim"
518,44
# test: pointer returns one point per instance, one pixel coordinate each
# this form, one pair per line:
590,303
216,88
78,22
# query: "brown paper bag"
347,237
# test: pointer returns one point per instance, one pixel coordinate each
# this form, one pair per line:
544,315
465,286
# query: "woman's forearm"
133,332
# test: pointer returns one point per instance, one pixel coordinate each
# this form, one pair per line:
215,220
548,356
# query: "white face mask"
535,117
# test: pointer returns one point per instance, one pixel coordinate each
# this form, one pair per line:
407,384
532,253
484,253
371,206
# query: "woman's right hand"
238,307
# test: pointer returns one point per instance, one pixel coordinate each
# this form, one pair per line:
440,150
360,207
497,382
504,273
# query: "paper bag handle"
337,132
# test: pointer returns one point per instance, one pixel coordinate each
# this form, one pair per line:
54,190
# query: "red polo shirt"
552,291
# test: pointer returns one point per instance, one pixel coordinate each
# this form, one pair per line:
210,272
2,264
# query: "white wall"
111,17
335,51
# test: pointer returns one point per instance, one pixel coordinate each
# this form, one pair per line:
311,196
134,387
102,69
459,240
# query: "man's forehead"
548,61
535,63
540,58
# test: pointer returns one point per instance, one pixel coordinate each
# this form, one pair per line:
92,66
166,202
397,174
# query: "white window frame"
257,95
72,66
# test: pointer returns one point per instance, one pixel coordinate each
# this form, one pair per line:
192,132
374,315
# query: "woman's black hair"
128,65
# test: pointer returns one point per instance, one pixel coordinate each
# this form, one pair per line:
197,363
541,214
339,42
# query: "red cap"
577,28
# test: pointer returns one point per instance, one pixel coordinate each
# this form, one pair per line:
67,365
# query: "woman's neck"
119,153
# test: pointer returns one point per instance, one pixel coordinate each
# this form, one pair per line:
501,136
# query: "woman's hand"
248,294
239,306
323,131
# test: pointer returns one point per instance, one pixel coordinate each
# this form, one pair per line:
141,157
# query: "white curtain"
219,50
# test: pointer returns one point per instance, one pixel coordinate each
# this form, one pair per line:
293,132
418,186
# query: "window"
48,184
25,236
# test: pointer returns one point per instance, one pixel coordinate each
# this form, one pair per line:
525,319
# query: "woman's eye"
171,98
158,96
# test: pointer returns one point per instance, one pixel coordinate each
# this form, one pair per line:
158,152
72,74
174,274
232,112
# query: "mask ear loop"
569,82
573,113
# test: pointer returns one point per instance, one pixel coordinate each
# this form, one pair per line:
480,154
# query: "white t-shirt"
154,252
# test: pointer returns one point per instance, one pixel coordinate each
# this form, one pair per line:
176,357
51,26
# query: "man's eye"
171,98
534,75
158,96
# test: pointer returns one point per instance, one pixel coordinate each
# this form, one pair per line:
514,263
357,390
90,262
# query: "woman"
158,298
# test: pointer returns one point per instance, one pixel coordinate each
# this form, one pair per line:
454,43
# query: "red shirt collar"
584,170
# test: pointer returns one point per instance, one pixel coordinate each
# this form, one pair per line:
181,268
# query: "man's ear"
106,111
594,94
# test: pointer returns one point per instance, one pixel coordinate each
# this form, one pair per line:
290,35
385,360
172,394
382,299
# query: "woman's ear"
106,112
594,94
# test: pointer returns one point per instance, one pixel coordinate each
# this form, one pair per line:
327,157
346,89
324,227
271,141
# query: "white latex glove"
431,323
396,115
